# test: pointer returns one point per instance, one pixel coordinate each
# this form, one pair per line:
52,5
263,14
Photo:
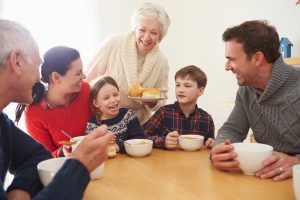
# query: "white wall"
194,36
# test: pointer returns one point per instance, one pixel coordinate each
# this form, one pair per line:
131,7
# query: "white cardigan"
118,58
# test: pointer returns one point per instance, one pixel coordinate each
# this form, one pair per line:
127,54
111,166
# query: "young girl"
105,103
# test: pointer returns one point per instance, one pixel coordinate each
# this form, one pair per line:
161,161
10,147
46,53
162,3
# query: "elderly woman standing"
135,57
64,105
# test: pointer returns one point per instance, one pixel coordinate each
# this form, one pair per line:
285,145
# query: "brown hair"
96,85
194,73
256,35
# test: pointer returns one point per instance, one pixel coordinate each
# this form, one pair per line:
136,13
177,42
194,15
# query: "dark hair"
57,59
256,35
194,73
95,87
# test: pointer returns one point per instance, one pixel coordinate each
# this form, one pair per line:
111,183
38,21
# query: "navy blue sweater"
125,126
20,154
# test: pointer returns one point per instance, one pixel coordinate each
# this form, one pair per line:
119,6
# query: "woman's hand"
67,150
150,104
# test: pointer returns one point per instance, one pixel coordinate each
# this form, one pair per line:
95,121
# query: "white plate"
145,99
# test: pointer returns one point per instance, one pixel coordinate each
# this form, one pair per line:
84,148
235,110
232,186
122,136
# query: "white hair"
152,11
14,36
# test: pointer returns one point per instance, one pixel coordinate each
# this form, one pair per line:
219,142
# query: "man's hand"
209,143
278,167
92,150
222,157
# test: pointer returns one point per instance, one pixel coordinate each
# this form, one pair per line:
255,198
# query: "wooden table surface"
179,175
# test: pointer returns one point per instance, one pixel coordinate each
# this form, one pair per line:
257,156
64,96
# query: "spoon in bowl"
66,142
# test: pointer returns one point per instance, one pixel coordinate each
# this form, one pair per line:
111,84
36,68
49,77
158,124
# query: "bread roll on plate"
135,90
151,93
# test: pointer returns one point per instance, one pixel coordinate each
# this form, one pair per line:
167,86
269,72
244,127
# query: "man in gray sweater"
267,101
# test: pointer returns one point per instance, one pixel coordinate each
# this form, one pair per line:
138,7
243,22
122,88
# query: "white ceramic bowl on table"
138,147
48,168
76,139
251,156
190,142
296,180
98,172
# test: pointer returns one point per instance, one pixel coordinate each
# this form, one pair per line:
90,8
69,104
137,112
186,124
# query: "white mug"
296,181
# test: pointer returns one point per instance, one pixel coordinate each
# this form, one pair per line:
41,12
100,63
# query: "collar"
178,109
130,60
279,75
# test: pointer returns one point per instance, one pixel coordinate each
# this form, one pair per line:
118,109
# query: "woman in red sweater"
64,105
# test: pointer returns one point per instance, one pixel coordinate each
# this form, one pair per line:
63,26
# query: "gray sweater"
272,114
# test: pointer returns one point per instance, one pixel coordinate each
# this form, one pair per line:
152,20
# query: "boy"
184,116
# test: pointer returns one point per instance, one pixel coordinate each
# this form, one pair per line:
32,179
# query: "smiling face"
71,81
187,90
108,101
147,34
239,64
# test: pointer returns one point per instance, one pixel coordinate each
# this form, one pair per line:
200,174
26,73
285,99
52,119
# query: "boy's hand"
171,141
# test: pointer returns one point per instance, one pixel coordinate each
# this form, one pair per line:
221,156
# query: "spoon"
66,134
66,142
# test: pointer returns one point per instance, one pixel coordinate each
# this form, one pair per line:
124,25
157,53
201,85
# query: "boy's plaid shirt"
170,118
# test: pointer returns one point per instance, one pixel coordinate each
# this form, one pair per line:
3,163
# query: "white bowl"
76,139
98,172
296,180
48,168
190,142
251,156
138,147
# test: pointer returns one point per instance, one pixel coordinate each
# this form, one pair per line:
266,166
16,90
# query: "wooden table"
179,175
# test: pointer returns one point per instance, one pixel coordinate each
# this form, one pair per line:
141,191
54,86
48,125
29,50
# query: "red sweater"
45,124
